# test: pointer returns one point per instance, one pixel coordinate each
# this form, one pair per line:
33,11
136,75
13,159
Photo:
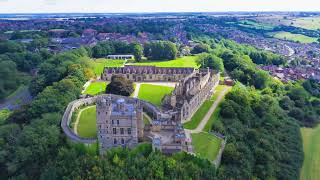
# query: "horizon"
154,6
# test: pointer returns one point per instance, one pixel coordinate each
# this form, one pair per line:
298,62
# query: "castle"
119,122
120,119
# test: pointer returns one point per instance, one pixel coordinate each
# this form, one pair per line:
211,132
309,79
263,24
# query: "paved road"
206,118
136,90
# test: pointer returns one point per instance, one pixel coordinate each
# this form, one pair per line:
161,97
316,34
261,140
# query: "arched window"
122,141
115,141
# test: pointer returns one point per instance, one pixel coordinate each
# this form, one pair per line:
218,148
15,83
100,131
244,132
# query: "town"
190,95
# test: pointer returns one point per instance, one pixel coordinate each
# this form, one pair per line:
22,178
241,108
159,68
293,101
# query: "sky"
122,6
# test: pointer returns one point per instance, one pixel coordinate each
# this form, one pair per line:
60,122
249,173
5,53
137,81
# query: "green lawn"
215,115
199,115
187,61
99,64
87,123
311,147
206,145
293,37
96,88
153,93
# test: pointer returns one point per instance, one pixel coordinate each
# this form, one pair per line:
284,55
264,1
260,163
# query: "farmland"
293,37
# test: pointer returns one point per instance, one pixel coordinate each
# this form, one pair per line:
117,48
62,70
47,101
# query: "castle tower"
119,122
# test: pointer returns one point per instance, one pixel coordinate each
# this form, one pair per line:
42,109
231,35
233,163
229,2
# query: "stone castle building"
119,122
190,93
147,73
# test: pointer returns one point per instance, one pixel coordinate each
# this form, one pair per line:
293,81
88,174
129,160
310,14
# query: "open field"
255,25
96,88
198,116
87,123
311,147
153,93
187,61
206,145
311,23
99,64
293,37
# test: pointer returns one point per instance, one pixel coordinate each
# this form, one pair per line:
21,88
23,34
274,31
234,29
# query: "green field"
187,61
199,115
153,93
99,64
255,25
206,145
311,147
293,37
96,88
311,23
87,123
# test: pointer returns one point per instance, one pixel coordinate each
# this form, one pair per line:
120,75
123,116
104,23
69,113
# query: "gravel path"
206,118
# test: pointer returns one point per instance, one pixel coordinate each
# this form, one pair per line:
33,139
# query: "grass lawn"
206,145
96,88
199,115
187,61
153,93
293,37
215,115
87,123
311,147
99,64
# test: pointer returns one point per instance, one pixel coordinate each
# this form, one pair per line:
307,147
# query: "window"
118,122
114,131
107,112
114,141
122,141
129,130
112,122
121,131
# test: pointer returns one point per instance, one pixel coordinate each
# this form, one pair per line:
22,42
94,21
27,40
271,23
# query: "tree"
200,48
120,86
210,61
160,50
136,50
